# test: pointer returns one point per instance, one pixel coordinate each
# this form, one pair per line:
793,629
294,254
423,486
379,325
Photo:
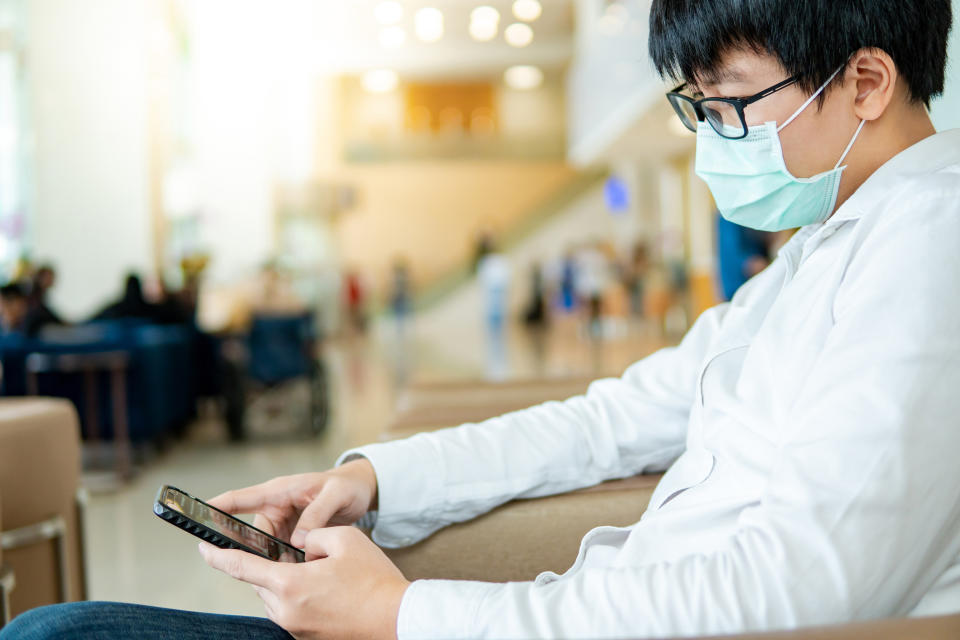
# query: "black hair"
12,291
810,38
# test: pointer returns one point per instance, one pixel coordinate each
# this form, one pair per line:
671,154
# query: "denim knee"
49,622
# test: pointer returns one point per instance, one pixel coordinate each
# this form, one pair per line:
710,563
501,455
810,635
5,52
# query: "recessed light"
483,31
428,24
485,13
518,34
527,10
523,77
388,12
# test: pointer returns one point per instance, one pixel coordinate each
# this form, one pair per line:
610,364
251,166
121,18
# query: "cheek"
808,147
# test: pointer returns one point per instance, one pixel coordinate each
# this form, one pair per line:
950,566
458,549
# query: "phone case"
208,535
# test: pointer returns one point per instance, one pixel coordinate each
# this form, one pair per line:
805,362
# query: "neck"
881,140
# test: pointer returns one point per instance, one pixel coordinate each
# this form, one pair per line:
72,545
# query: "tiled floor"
135,557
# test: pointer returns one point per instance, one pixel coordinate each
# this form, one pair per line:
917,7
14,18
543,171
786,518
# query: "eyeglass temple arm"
766,92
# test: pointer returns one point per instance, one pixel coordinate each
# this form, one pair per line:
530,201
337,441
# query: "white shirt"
811,428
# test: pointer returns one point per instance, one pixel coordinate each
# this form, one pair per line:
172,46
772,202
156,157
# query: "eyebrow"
719,76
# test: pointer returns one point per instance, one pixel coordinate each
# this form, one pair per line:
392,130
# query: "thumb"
315,516
330,541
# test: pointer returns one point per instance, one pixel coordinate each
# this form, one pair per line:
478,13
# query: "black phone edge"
209,535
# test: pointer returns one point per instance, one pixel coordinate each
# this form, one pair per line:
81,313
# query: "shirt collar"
927,156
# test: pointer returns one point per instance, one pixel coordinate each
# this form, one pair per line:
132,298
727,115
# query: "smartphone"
219,528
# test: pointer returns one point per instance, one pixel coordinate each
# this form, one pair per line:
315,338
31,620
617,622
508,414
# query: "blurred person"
567,289
493,273
535,312
400,303
14,309
593,277
355,294
484,246
806,425
132,304
41,314
635,275
741,254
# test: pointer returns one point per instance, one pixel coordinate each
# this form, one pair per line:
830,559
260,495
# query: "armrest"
512,543
426,406
934,628
518,540
40,449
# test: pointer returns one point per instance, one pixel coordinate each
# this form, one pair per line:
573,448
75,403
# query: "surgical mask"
750,181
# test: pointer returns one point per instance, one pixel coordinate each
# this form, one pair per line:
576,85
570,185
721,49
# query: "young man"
809,426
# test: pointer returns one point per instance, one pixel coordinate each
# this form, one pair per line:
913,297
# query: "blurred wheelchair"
277,381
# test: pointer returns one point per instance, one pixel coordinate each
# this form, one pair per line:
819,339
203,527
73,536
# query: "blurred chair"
7,583
282,350
42,538
89,366
435,404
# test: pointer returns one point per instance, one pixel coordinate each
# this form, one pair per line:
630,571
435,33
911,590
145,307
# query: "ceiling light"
485,14
518,34
388,12
483,31
380,81
428,24
614,19
392,37
527,10
523,77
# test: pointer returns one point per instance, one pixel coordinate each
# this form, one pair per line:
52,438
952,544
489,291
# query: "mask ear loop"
810,99
850,146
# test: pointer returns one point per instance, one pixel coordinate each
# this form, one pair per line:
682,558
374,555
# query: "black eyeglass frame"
737,103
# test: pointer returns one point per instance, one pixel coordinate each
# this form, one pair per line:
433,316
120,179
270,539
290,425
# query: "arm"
859,518
620,427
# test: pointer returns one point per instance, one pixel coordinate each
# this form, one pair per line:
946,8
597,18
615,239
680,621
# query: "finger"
242,565
247,500
264,524
329,541
315,516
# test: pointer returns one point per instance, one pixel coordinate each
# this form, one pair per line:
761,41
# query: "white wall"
611,83
87,70
946,109
254,91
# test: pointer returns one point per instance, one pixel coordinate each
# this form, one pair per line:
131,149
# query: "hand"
290,506
347,588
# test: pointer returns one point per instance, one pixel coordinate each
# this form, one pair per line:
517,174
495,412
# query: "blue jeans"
117,621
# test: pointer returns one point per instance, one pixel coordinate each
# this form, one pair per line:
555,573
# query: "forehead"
742,66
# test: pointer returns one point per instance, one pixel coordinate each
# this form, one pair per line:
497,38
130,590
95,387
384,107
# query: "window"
13,139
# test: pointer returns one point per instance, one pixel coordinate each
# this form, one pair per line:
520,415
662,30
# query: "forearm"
620,427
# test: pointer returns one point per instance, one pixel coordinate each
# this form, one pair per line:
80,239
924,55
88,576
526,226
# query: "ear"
873,75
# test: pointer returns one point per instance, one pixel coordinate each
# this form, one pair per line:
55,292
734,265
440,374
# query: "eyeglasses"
725,115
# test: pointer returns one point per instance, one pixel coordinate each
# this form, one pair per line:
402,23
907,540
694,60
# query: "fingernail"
298,537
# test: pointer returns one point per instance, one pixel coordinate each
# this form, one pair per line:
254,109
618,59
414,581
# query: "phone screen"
229,527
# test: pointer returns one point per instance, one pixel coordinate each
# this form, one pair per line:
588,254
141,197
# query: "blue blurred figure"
742,253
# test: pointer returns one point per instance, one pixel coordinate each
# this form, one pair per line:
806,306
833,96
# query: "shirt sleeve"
859,518
620,427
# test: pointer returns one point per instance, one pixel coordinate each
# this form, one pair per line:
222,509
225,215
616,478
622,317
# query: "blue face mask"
750,181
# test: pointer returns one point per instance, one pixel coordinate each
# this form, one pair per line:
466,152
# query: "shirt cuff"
410,489
442,609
